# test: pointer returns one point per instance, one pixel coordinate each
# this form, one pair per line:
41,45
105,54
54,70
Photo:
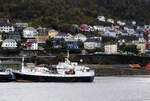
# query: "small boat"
6,75
63,72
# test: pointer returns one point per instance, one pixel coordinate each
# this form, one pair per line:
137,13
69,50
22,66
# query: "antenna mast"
68,55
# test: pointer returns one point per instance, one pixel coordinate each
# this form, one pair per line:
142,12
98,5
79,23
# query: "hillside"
61,13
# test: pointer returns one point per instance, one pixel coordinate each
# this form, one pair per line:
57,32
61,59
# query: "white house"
133,22
92,44
29,32
80,37
111,21
121,23
142,40
124,33
111,33
110,48
99,28
107,28
147,27
6,27
101,18
129,30
21,25
9,43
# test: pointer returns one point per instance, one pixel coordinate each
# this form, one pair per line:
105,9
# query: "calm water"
103,89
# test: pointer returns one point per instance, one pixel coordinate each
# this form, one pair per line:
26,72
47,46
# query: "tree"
3,35
122,47
129,48
61,56
63,43
81,45
132,49
54,13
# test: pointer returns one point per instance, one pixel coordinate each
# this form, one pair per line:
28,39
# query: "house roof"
13,33
127,38
93,40
42,31
21,24
113,31
15,37
30,28
52,30
62,34
5,24
32,40
80,35
9,40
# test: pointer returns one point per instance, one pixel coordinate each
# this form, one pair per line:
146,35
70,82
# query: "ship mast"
22,65
68,55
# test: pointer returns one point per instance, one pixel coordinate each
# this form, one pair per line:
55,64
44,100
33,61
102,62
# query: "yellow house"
70,37
115,27
141,47
52,33
110,48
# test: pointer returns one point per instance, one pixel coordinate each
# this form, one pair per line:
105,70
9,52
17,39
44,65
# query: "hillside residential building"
101,18
111,33
56,43
9,43
114,27
21,25
42,35
84,27
42,31
29,32
31,44
121,23
14,35
52,33
92,44
110,48
80,37
65,36
110,21
6,27
129,29
98,28
141,47
71,44
41,38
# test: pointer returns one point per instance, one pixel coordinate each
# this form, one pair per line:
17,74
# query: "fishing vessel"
6,75
63,72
